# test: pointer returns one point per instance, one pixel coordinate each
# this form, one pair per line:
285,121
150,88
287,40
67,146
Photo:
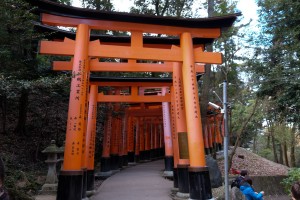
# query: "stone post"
50,185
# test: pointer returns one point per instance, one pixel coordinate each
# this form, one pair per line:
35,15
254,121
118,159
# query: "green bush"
293,175
266,153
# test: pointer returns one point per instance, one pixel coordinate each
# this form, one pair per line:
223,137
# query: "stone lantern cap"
52,148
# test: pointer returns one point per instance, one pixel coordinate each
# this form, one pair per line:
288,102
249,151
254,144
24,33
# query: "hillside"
255,164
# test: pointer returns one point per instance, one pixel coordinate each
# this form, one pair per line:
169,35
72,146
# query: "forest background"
261,67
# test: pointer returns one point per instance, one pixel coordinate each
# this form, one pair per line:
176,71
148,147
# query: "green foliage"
293,176
275,67
104,5
266,153
177,8
20,184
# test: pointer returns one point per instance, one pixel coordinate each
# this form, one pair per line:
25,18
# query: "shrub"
293,176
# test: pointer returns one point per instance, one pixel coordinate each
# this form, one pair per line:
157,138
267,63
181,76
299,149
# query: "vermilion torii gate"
83,50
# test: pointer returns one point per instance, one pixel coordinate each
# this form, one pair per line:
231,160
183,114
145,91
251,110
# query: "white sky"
247,7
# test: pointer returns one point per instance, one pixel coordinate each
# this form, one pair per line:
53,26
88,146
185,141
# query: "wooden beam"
174,54
132,98
130,66
55,20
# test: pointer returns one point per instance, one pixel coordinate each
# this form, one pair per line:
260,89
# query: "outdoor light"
215,106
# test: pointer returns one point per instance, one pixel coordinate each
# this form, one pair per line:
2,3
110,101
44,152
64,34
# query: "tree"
177,8
104,5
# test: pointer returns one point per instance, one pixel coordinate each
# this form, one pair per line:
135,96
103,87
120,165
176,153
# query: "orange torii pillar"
219,137
161,140
174,141
130,140
142,138
199,181
71,177
114,148
120,139
124,139
153,150
181,133
105,169
169,160
91,136
137,140
147,140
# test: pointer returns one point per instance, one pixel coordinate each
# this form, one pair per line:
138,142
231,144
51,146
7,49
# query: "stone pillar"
50,185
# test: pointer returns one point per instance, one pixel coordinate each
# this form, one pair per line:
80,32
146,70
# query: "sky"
247,7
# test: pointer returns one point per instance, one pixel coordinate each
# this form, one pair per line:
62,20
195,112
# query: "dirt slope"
256,165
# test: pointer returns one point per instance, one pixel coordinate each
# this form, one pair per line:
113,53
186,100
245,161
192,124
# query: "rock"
214,172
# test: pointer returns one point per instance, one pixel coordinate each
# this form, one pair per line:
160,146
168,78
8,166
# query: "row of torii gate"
169,103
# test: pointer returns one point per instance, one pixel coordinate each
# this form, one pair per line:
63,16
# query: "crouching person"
247,189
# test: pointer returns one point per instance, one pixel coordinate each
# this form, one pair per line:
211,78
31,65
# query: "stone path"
143,181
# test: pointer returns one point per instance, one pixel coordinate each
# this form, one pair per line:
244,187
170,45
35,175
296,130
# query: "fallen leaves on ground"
255,164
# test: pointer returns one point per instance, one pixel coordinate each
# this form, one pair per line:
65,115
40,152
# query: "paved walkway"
143,181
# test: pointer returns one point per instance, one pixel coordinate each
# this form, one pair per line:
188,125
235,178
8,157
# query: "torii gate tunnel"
181,54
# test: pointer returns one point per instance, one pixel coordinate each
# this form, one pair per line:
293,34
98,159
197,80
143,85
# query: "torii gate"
70,179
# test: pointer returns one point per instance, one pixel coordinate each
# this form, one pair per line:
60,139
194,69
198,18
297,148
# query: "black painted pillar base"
105,164
142,155
183,178
152,154
169,163
90,180
211,150
137,158
120,161
84,183
125,160
161,152
131,157
199,182
207,151
69,185
114,161
220,147
175,177
147,155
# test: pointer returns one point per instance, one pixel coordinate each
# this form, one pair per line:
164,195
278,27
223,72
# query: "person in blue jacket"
247,189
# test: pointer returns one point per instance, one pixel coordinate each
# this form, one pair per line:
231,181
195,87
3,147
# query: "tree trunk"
292,156
254,142
280,154
23,108
206,84
285,154
4,112
268,140
240,132
274,146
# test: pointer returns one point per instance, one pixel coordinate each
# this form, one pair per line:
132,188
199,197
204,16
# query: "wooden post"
124,136
199,180
114,148
91,136
174,140
70,178
137,140
169,160
105,168
130,140
181,132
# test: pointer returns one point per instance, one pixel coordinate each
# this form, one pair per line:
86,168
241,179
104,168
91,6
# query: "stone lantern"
50,185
